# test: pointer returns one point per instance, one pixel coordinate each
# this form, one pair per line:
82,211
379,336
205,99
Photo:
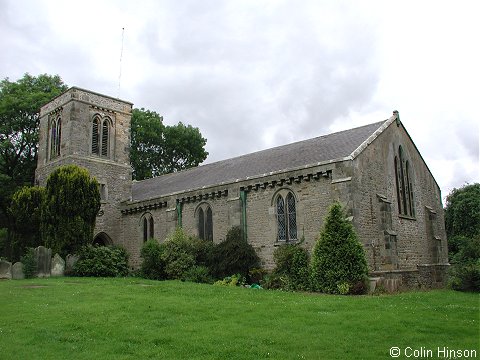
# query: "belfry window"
205,222
101,136
55,137
148,227
286,216
403,181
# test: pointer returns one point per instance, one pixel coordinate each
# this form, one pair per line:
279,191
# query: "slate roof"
332,147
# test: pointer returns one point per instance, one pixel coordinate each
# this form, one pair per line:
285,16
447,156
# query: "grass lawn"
87,318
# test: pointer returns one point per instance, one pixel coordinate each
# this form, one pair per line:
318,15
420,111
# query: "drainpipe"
243,199
179,214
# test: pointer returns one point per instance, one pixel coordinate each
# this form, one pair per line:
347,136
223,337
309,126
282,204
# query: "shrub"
198,274
338,257
101,261
29,263
234,280
291,264
234,255
178,254
153,267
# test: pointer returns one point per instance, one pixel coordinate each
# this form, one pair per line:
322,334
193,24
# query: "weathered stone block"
43,257
58,266
5,269
70,261
17,271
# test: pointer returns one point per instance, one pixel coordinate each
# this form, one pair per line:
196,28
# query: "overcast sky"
252,74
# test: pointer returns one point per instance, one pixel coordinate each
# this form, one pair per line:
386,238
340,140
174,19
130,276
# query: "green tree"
25,210
462,211
20,102
462,224
72,202
338,262
157,149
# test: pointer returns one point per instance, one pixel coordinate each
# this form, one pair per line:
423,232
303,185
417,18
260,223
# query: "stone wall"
376,215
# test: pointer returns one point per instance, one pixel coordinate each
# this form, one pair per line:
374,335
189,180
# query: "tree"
462,211
25,210
157,149
462,224
72,202
338,261
20,102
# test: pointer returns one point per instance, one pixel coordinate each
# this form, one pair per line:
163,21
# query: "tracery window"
205,222
286,216
403,181
148,227
101,136
55,137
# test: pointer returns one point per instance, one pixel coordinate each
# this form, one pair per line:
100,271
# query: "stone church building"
278,196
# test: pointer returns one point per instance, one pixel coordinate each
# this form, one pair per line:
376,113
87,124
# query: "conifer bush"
70,208
338,261
234,255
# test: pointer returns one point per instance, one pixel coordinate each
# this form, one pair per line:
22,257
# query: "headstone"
5,269
70,263
17,271
44,258
58,266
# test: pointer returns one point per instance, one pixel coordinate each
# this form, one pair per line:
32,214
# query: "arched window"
403,181
205,222
95,136
55,134
148,227
105,137
286,216
209,225
101,136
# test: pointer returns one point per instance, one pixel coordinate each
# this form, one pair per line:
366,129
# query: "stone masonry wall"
376,210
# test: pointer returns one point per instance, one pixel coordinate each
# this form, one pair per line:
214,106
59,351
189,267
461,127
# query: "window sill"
406,217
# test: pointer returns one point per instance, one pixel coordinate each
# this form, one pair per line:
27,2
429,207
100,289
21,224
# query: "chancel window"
286,216
148,227
101,136
205,222
403,181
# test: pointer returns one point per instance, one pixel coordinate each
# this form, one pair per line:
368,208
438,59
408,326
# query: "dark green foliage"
462,211
25,210
101,261
72,202
157,149
198,274
29,263
338,259
180,257
465,270
153,266
292,267
234,255
20,102
462,223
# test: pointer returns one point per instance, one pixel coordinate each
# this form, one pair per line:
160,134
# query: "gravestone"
5,269
70,263
58,266
44,259
17,271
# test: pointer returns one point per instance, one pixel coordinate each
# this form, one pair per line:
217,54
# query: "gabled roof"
328,148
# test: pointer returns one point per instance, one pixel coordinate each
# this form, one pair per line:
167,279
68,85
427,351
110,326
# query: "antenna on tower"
120,71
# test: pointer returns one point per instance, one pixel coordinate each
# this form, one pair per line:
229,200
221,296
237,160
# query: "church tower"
92,131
